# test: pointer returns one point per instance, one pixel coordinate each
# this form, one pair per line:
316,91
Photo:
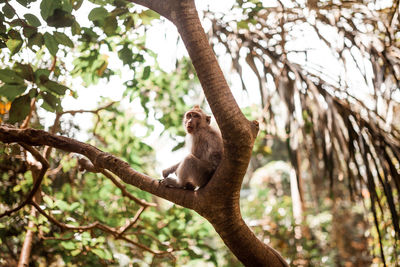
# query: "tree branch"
101,160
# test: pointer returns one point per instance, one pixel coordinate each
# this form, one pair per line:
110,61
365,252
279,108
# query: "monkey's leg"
170,170
193,172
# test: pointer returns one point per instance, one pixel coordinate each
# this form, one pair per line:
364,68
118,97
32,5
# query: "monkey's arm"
170,170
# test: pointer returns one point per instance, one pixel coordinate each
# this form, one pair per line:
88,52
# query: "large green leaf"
63,39
42,75
29,31
10,91
47,8
32,20
51,102
25,71
8,11
25,3
14,45
148,15
98,13
60,18
69,245
55,87
10,76
51,43
36,40
20,108
110,25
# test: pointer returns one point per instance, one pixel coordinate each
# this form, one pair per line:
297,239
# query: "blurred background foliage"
322,77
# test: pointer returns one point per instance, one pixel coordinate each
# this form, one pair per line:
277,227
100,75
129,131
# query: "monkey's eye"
196,116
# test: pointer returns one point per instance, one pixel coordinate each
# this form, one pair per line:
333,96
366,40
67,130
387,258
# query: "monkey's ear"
208,119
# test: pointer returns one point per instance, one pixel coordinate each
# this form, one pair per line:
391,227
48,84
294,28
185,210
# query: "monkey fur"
196,169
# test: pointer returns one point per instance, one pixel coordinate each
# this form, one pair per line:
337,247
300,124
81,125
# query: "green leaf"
47,8
69,245
32,20
3,28
20,108
76,28
63,39
8,11
110,25
48,201
10,76
25,71
99,252
10,91
25,3
51,102
74,206
60,18
148,15
98,13
29,31
35,40
75,252
14,45
55,87
178,146
50,43
13,34
76,4
42,75
62,204
146,73
126,55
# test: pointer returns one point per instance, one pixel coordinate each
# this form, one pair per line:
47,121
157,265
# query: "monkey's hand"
166,172
169,170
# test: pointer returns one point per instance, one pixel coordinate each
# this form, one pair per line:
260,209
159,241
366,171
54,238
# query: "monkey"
206,151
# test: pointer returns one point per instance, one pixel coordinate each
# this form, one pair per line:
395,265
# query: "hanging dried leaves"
335,66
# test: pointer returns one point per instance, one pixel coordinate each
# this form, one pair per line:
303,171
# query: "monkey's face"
195,119
192,121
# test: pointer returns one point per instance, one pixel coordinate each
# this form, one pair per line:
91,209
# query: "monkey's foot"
169,182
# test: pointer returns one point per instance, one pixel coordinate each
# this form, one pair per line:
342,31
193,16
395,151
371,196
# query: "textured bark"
218,201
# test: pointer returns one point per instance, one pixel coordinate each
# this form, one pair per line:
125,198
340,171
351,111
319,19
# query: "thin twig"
97,225
88,166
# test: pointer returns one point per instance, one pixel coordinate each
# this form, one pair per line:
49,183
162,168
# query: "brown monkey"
205,154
